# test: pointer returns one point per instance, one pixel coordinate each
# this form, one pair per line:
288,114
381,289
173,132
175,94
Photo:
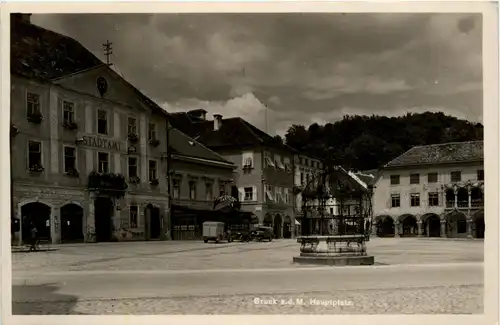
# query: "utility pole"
108,50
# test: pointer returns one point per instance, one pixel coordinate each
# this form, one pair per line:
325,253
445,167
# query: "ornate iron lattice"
335,202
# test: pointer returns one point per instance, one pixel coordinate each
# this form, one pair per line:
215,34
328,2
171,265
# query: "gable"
118,90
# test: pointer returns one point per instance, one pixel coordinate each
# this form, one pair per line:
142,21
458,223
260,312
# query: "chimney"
198,113
217,121
22,17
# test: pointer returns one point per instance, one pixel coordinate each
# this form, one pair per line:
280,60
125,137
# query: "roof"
444,153
181,144
233,132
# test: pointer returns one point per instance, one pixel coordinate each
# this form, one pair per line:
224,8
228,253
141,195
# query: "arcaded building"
434,191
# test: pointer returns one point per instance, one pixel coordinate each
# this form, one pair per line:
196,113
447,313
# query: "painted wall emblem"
102,85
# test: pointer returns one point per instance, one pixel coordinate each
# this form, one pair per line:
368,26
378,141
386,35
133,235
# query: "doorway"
103,223
154,222
36,215
71,224
433,224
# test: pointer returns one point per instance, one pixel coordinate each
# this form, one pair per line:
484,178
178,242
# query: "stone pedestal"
469,228
334,250
443,229
89,234
420,228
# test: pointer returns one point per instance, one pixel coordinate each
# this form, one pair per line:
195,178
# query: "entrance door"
71,223
155,223
480,228
103,223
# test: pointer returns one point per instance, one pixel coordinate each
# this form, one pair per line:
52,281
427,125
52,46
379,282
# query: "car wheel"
205,240
270,238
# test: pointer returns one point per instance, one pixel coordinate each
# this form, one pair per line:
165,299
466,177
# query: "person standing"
34,238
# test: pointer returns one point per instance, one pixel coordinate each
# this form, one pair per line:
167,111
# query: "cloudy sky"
304,68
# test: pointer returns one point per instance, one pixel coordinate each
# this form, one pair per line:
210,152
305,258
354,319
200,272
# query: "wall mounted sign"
101,143
102,85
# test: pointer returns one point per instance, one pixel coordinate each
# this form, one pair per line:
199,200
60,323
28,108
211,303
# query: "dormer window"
248,163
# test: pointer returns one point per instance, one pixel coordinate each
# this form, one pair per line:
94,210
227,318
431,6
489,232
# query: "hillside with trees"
369,142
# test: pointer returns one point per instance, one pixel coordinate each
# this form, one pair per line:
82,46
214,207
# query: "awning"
297,223
225,201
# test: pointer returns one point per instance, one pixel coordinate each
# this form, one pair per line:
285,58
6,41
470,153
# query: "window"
301,178
415,199
152,170
394,179
247,163
395,201
269,193
34,154
456,176
192,190
269,162
222,189
132,167
133,215
279,163
132,125
480,175
102,121
69,159
288,195
209,191
432,178
248,194
433,199
152,132
68,112
33,103
414,178
301,161
103,160
176,186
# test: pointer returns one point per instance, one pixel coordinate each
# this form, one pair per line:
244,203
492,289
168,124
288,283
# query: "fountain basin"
333,250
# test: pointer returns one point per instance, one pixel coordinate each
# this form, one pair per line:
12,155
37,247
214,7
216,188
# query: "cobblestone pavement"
198,278
436,300
198,255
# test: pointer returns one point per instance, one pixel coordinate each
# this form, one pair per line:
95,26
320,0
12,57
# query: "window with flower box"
35,156
103,162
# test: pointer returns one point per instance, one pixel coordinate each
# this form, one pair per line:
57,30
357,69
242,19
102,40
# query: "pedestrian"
34,238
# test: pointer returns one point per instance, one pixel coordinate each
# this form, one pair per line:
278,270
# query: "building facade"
264,173
434,191
89,151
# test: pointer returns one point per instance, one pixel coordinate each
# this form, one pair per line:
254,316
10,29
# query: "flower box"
72,173
132,137
154,182
134,180
36,168
154,142
36,118
110,183
70,125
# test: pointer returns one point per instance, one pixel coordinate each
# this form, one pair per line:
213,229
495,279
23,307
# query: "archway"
268,220
462,198
103,207
450,198
456,224
479,224
432,225
385,226
35,214
409,225
277,226
153,221
287,227
71,223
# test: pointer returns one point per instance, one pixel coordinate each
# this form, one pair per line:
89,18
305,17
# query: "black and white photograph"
252,163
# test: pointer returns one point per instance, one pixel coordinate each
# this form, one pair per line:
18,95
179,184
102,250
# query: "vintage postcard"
250,162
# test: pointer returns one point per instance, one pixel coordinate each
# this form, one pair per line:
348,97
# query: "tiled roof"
233,132
43,54
453,152
181,144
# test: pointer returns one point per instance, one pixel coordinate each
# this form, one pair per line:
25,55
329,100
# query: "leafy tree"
368,142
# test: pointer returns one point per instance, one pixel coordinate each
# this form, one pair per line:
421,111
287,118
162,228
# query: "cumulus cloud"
288,69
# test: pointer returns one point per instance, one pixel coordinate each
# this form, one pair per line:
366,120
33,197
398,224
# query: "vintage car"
263,232
214,230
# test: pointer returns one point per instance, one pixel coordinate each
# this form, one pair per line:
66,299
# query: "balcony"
109,183
465,204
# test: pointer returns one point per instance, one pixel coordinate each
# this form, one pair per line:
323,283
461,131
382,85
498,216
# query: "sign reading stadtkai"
101,143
